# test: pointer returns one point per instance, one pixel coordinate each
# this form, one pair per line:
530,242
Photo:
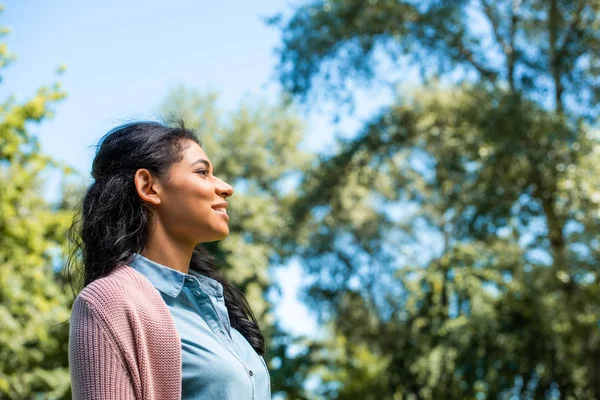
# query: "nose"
223,188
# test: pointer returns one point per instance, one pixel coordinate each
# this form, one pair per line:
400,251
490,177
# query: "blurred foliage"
255,149
546,50
33,301
452,244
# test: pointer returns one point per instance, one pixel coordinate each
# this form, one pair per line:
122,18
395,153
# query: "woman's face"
193,207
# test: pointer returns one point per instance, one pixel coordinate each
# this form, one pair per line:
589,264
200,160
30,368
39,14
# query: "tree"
454,236
33,342
534,48
255,149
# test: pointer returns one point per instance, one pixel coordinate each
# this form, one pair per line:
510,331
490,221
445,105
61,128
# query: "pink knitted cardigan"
123,342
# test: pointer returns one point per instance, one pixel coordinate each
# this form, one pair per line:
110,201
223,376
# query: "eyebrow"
202,161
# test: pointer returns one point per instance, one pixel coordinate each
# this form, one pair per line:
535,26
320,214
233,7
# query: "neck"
165,250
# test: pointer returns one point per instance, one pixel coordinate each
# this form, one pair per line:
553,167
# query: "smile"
223,212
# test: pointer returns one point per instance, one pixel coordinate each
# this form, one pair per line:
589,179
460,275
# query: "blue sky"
122,59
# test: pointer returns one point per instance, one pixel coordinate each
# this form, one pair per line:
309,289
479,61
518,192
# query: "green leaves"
34,307
465,272
547,51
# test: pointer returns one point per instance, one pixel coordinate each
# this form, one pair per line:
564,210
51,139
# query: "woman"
155,320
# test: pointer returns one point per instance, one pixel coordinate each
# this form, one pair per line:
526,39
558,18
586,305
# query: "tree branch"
571,29
553,17
468,56
510,49
507,46
489,12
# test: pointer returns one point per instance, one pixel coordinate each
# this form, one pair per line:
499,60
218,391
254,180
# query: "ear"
147,186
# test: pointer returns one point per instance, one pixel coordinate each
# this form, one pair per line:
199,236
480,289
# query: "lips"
221,209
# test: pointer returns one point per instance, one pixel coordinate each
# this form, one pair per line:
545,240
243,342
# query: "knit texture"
123,343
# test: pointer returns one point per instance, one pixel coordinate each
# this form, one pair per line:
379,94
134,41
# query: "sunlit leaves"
34,306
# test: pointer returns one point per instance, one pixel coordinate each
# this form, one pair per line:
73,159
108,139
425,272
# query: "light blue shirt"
218,363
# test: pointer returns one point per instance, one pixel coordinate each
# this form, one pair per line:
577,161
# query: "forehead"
192,152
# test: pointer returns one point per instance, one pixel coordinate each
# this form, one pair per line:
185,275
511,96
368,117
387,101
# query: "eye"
202,172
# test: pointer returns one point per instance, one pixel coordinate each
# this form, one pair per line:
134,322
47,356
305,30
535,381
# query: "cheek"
196,197
203,191
188,213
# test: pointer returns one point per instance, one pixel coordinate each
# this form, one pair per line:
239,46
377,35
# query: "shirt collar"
167,280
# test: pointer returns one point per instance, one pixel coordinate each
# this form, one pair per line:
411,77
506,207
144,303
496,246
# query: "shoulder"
123,287
125,315
122,304
124,298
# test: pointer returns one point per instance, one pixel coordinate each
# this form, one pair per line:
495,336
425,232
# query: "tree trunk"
553,26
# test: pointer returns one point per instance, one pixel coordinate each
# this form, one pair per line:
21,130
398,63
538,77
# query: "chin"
223,236
223,232
215,237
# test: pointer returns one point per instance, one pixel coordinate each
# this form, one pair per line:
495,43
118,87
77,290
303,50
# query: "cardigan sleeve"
97,370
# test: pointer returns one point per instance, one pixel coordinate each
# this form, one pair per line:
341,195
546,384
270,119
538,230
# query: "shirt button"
250,373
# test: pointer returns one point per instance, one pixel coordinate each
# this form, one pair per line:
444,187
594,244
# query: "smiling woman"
155,320
189,204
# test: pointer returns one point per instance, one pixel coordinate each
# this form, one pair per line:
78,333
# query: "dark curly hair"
112,223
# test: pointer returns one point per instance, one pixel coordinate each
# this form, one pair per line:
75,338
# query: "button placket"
264,363
216,327
225,339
